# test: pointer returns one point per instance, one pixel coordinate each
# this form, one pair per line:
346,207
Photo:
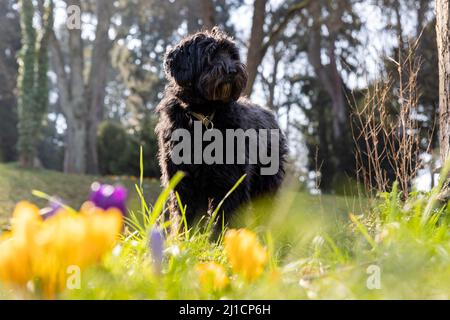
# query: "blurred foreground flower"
245,254
212,275
42,250
54,204
156,245
106,196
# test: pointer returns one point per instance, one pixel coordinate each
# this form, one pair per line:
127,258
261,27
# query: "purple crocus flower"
156,244
54,205
106,196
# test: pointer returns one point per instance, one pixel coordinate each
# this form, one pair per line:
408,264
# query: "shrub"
119,149
113,148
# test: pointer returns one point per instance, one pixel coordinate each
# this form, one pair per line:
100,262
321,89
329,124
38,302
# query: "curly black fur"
206,76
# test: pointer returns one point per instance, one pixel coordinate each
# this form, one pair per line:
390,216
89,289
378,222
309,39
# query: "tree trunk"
272,82
323,164
421,18
208,14
331,80
76,110
82,103
75,154
336,93
254,54
443,44
26,82
192,16
97,81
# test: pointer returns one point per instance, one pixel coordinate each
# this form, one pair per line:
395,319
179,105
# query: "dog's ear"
178,66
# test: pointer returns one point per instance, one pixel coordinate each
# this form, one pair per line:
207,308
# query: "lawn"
296,247
17,184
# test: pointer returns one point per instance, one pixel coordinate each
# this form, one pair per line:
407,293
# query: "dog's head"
208,65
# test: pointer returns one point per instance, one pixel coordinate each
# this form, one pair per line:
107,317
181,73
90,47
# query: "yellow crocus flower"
15,268
15,247
246,255
102,227
42,250
212,275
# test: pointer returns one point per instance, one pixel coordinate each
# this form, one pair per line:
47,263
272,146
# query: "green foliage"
113,148
27,63
149,142
118,148
347,186
32,82
41,86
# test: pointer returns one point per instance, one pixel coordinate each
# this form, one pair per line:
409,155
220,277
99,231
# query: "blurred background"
80,80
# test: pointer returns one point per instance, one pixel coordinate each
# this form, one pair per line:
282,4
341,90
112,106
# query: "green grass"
320,247
318,250
16,184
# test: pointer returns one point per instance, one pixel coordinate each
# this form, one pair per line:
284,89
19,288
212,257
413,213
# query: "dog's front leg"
174,213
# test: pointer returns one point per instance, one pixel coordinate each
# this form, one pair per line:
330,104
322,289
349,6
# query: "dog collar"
206,120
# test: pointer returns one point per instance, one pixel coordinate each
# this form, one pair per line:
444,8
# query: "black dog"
206,78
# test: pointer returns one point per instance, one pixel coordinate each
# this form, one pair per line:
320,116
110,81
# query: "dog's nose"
232,71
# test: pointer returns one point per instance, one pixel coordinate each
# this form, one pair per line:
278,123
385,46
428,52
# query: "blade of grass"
49,198
363,231
159,204
141,166
141,182
335,248
133,223
183,215
213,216
270,250
145,211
